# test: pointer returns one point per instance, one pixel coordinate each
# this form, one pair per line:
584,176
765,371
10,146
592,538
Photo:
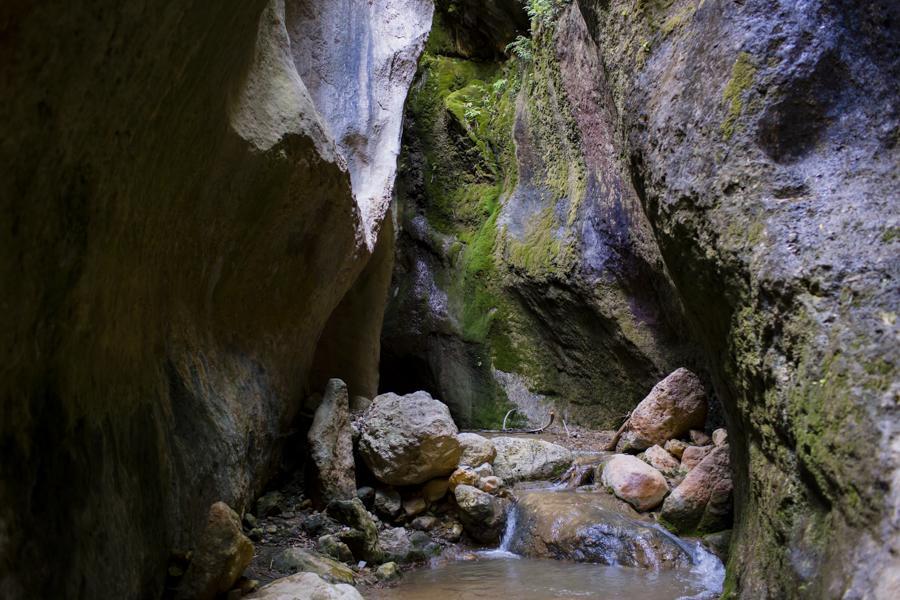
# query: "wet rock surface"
591,527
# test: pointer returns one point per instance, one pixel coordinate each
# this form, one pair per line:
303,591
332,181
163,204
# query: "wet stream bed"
503,576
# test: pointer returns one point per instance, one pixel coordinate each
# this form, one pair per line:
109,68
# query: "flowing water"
501,575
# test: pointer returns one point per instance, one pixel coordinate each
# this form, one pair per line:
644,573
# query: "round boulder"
635,482
674,406
407,440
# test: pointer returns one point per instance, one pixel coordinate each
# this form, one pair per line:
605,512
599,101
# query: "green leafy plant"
521,47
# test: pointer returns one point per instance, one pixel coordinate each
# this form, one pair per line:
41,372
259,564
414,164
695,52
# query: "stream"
501,574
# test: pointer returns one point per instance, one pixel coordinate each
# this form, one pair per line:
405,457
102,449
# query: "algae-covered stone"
406,440
294,560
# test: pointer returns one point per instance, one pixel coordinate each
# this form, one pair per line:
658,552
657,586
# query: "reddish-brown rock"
673,407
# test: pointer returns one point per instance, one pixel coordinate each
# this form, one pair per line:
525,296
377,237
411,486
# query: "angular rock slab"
331,445
526,459
591,527
673,407
407,440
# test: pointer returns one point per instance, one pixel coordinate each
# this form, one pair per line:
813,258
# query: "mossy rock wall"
751,134
522,242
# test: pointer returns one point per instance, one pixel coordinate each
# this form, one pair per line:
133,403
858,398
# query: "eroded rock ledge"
185,210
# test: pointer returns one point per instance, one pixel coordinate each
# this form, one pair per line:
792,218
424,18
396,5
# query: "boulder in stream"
528,459
634,481
591,527
407,440
673,407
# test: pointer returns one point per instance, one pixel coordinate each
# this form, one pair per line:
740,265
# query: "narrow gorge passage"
450,299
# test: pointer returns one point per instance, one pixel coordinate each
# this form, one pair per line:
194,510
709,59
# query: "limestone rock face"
221,555
476,449
702,502
331,445
483,516
305,586
673,407
590,527
406,440
740,125
182,221
635,482
524,459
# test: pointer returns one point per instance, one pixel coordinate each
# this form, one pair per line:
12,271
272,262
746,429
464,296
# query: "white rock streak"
357,59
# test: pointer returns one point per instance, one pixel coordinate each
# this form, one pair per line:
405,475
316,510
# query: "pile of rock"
673,453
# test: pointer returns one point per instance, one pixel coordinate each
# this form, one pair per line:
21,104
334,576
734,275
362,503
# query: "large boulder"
331,445
305,586
221,555
407,440
702,502
693,455
673,407
635,482
483,516
526,459
476,449
590,527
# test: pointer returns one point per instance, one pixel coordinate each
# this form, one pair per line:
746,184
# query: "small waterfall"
511,518
705,566
503,550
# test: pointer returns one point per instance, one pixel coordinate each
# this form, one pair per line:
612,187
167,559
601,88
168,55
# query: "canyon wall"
637,178
527,275
184,212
